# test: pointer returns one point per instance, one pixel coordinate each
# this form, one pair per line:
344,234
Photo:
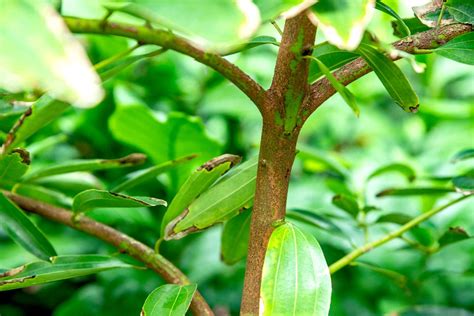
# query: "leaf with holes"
13,166
169,299
295,277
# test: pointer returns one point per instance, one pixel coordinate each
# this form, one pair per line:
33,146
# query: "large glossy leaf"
41,113
414,192
295,278
235,238
460,49
169,299
461,10
232,193
199,181
340,88
13,166
19,227
231,20
87,165
179,135
38,52
138,177
92,199
60,268
391,77
331,56
343,22
403,169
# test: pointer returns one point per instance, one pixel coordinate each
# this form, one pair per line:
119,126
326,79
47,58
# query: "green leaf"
429,14
179,135
461,10
40,193
60,67
340,88
331,56
453,235
169,299
231,20
40,114
13,166
87,165
199,181
342,22
414,25
255,42
315,160
463,155
465,183
460,49
404,170
397,218
91,199
23,231
138,177
272,9
414,192
379,5
391,77
398,278
295,278
60,268
231,193
235,238
347,204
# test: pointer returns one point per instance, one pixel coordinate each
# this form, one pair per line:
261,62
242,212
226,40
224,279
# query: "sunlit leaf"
87,165
295,278
414,192
231,20
41,113
23,231
199,181
453,235
391,77
460,49
461,10
403,169
39,53
232,193
169,299
340,88
138,177
60,268
92,199
343,22
235,238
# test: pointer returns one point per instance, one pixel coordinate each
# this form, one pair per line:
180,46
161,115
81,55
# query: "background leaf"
235,238
462,11
169,299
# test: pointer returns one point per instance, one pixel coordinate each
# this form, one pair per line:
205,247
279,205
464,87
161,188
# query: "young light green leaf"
331,56
391,77
87,165
199,181
342,22
225,199
23,231
60,268
41,113
169,299
414,192
461,10
429,14
295,278
13,166
465,183
92,199
347,204
379,5
235,238
60,67
232,20
340,88
463,155
403,169
460,49
138,177
453,235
